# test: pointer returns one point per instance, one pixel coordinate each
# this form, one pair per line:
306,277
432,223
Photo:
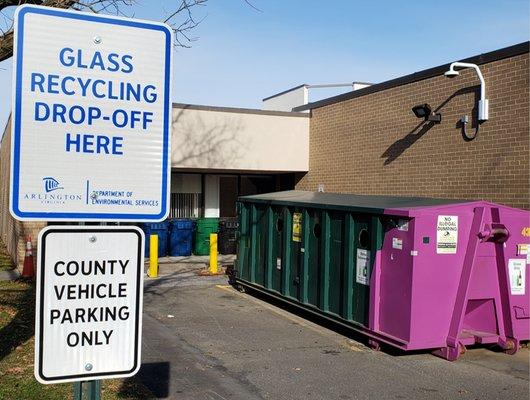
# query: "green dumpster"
204,227
306,252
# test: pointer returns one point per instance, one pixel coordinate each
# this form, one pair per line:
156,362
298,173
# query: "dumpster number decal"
363,258
297,227
446,234
517,272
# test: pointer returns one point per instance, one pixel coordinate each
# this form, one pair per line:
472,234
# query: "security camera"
483,104
451,73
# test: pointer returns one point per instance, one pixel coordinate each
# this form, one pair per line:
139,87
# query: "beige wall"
13,233
373,144
245,141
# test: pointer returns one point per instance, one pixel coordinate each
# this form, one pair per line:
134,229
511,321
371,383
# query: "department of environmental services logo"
51,184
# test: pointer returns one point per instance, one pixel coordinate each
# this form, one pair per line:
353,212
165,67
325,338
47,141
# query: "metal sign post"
91,390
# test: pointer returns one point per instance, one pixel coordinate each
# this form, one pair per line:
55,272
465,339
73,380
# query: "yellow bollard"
153,256
213,254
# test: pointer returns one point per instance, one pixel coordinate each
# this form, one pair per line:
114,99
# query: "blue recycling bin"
181,237
161,229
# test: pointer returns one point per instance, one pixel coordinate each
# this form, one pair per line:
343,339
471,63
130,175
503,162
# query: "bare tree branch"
252,6
13,3
181,20
6,40
6,45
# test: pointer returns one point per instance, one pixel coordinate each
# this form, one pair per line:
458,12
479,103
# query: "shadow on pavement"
154,377
330,324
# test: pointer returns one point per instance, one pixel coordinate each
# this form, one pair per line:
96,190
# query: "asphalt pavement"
204,340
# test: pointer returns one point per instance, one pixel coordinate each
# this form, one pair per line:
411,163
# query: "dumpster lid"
372,204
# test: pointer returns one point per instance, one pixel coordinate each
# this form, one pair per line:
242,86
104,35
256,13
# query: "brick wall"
373,144
13,232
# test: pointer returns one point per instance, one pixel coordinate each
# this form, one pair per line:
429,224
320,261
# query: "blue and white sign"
91,117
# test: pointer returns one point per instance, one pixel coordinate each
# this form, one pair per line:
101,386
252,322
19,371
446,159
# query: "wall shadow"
203,144
396,149
399,146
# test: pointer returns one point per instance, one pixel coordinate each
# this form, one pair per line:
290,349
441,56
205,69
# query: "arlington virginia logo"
51,184
53,193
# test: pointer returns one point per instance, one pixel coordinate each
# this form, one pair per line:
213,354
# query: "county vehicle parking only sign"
91,117
89,303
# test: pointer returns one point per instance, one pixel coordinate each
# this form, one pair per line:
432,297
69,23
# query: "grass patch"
5,260
17,306
16,346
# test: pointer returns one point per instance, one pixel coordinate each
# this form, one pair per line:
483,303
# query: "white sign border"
39,304
18,39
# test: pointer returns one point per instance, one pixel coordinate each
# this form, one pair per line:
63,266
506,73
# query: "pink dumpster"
452,276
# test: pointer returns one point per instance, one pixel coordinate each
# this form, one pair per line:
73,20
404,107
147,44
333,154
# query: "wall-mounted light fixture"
483,103
425,111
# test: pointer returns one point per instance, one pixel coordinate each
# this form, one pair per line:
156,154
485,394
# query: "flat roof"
238,110
484,58
354,202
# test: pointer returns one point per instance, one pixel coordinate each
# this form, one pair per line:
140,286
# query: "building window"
185,205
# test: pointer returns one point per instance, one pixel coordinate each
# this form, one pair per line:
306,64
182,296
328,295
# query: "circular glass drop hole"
364,238
279,224
317,230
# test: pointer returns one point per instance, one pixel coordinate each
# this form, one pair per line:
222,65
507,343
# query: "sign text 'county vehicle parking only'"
89,303
91,117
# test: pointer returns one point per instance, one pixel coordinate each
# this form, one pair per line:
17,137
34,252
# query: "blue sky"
242,55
